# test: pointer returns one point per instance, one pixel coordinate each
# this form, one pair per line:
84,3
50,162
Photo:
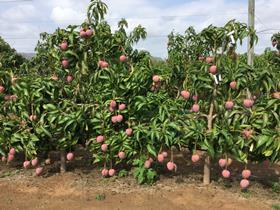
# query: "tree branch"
204,115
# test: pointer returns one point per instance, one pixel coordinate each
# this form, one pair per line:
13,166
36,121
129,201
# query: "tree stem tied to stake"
207,164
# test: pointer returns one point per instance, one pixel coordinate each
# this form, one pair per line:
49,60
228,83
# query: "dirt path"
78,191
83,188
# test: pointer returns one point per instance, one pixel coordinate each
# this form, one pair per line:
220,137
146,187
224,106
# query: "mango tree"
228,97
86,69
9,58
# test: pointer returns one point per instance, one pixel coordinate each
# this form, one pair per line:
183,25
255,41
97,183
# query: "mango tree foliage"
223,84
88,86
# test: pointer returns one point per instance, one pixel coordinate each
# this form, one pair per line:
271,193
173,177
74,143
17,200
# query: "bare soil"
82,187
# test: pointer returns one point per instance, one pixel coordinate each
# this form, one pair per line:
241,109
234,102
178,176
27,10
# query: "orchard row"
88,86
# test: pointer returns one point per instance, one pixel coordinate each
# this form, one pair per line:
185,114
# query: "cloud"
65,15
17,26
159,18
20,12
68,3
67,11
160,21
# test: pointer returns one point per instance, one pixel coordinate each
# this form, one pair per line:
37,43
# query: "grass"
8,173
123,173
276,206
246,193
100,197
276,187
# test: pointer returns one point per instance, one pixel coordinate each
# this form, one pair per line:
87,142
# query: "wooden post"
251,25
62,161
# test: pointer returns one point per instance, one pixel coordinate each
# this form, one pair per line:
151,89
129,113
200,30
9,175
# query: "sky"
21,21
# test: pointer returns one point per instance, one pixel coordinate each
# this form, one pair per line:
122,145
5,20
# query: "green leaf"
151,150
46,132
268,153
49,107
262,140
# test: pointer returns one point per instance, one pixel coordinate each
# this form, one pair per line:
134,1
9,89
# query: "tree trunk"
207,170
207,163
62,161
